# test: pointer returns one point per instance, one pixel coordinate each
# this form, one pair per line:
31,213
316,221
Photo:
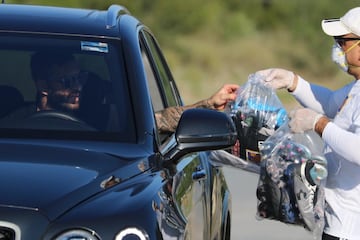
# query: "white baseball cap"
349,23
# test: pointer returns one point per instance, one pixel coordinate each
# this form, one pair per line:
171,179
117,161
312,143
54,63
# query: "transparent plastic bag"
257,112
293,172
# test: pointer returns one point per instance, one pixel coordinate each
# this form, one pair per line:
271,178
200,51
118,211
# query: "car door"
188,176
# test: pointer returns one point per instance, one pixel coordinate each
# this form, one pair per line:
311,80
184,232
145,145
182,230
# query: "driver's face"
64,86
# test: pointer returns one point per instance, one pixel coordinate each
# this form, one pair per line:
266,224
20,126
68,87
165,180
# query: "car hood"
51,179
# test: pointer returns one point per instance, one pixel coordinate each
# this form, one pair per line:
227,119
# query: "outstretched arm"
168,118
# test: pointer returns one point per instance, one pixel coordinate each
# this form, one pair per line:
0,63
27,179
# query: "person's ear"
42,100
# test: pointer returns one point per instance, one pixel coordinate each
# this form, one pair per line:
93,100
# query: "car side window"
156,98
163,90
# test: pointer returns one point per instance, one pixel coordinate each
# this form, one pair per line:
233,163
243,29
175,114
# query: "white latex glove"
303,119
277,78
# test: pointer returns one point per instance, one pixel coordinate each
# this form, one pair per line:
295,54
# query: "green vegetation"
212,42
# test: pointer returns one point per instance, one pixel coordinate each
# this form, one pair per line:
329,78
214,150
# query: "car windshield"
61,87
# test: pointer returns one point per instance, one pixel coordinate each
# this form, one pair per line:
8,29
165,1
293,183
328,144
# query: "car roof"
61,20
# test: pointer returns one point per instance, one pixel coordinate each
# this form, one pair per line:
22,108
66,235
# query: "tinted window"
155,92
161,71
91,101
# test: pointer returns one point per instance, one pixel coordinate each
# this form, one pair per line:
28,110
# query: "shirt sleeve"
319,98
343,142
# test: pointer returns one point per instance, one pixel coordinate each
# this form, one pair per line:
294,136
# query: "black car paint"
166,189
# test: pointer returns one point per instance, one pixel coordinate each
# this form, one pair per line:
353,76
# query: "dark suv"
105,172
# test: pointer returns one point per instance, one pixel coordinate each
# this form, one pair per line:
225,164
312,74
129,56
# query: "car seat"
94,105
10,99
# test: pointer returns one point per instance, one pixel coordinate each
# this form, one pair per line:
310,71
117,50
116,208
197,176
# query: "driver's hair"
43,61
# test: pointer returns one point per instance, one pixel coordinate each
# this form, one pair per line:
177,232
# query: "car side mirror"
202,130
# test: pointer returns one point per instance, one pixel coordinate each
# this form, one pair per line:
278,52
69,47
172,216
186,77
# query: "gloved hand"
303,119
277,78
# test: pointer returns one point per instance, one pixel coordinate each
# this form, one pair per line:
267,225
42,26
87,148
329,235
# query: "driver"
58,81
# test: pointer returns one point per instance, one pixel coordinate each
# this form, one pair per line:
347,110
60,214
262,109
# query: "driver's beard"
60,101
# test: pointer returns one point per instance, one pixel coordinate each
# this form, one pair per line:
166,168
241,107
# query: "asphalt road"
245,226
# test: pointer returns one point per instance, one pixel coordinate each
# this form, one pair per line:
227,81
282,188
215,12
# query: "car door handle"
199,174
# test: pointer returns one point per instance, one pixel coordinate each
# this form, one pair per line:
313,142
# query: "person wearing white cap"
335,116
